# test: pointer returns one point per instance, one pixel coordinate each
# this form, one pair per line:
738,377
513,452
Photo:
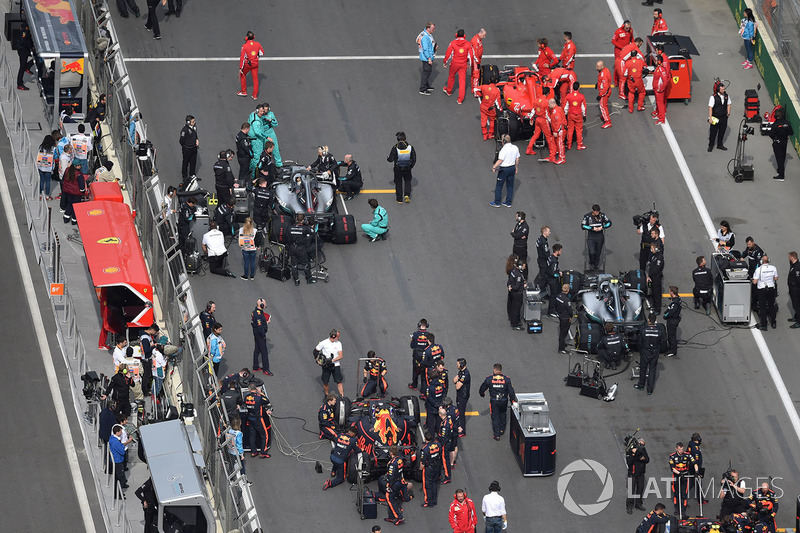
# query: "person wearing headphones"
659,24
325,164
462,381
189,145
404,158
207,318
507,163
223,177
516,284
259,320
248,62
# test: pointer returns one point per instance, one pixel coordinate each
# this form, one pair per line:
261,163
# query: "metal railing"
232,501
783,19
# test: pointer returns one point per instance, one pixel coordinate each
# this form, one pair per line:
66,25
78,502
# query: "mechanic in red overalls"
562,79
541,120
603,92
546,59
477,50
659,24
661,83
634,70
625,55
568,52
461,58
490,102
575,106
248,62
622,37
558,125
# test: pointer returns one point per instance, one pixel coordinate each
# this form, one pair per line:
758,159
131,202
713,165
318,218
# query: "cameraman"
636,457
732,492
644,228
330,350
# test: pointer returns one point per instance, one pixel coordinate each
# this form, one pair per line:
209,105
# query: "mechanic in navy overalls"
344,446
500,391
258,407
430,458
420,340
395,487
437,390
595,224
260,324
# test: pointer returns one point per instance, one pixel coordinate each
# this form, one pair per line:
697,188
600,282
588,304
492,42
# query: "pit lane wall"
229,493
777,80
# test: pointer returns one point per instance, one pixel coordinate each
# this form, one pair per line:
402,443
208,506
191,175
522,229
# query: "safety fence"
773,59
231,496
783,18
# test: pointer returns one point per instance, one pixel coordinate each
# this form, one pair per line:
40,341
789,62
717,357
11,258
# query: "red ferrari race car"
379,424
520,86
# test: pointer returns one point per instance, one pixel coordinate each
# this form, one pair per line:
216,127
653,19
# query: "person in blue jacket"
427,51
380,222
747,30
118,454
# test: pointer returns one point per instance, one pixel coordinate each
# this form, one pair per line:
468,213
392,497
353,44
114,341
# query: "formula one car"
379,424
297,190
520,86
618,300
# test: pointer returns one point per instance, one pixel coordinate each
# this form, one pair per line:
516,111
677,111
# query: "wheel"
686,101
409,405
341,411
738,178
352,467
514,127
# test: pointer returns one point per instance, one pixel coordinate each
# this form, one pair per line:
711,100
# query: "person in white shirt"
330,351
494,509
159,370
765,278
64,160
214,247
81,147
507,162
119,353
170,202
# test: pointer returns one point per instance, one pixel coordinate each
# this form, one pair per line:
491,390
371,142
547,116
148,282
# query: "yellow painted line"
377,191
681,294
468,413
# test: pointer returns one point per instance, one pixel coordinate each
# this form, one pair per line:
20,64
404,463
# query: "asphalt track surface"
38,492
444,258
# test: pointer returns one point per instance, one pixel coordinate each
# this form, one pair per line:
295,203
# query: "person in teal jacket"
271,122
380,222
258,135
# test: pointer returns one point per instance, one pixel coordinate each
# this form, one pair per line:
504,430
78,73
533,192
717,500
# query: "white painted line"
323,58
766,355
64,430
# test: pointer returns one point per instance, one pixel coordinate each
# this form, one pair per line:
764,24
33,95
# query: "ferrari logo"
110,270
108,240
95,212
460,50
675,79
509,101
633,70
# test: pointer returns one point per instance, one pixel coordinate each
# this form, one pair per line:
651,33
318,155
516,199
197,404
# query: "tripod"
740,171
319,272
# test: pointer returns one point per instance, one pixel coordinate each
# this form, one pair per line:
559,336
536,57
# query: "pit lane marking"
711,230
326,58
467,413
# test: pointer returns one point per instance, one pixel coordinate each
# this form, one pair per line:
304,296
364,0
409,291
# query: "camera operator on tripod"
637,458
732,492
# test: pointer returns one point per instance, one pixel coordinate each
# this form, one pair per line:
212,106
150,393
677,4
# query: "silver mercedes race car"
618,300
298,190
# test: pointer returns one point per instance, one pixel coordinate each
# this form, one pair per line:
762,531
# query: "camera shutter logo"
586,509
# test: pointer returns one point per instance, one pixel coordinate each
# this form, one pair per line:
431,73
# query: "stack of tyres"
635,279
574,279
588,337
344,229
280,225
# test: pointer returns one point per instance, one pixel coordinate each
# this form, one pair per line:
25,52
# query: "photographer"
732,492
329,356
644,224
636,457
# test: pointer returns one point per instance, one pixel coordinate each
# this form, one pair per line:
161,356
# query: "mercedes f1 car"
618,300
379,424
298,190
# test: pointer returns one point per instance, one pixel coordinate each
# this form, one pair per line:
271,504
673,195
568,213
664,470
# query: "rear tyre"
409,405
341,411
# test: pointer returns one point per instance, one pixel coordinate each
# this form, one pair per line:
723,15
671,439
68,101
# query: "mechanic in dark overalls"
650,338
595,224
262,204
343,446
420,340
520,234
430,458
673,317
500,391
300,239
437,390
